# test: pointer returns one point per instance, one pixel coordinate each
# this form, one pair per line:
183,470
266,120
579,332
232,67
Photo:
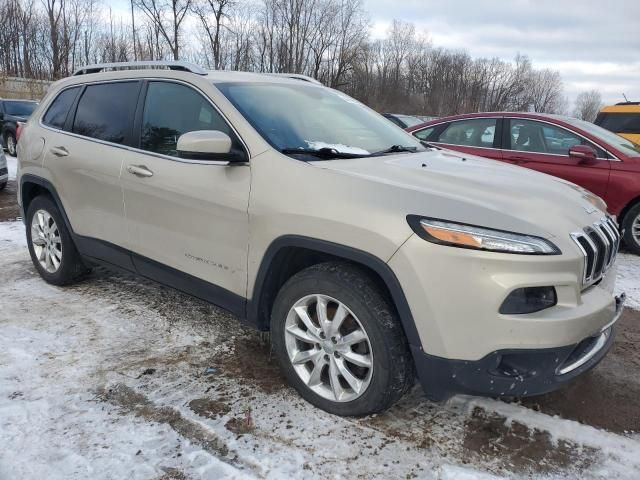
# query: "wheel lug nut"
336,354
334,340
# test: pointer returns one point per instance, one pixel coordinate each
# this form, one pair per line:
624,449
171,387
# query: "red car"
581,152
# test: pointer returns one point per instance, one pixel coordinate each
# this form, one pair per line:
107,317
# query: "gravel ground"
118,377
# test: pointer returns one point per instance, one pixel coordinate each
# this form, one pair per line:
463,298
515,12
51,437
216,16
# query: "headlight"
479,238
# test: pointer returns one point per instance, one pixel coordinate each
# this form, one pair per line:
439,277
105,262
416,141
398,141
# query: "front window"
538,137
20,109
626,146
310,117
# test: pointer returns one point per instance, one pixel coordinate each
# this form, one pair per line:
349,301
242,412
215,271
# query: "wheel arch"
290,254
635,201
32,186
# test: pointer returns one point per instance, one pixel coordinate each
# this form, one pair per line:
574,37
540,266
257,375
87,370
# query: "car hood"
478,191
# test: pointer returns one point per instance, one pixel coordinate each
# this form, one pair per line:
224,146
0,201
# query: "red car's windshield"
621,143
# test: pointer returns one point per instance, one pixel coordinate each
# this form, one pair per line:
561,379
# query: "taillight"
19,126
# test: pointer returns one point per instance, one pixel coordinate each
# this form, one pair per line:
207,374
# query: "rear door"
545,147
476,136
86,132
189,215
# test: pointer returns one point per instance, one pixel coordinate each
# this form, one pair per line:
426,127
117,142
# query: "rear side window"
57,113
105,111
171,109
476,132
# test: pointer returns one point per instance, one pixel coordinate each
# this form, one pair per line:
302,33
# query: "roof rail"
628,103
296,76
170,65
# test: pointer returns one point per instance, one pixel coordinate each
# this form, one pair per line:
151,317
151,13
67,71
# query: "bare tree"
211,14
167,17
587,105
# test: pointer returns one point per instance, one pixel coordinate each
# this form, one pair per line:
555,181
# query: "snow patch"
12,166
628,279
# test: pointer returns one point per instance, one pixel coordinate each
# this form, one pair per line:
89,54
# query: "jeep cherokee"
367,254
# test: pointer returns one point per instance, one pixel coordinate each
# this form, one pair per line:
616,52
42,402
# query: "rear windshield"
20,109
619,122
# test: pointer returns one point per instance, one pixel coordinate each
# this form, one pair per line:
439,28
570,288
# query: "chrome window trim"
139,150
613,159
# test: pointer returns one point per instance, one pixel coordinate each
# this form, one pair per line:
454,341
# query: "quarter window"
105,111
475,132
57,113
171,109
538,137
424,133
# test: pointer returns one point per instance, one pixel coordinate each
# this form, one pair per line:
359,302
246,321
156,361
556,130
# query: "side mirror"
207,145
583,153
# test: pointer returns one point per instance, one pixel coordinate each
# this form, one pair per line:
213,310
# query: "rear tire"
379,364
631,229
3,185
51,247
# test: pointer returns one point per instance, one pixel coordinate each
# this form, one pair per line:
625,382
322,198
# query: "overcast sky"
594,44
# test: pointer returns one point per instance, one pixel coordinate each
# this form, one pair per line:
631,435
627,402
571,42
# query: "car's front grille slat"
599,245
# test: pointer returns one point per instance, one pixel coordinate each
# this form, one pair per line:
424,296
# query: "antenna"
625,97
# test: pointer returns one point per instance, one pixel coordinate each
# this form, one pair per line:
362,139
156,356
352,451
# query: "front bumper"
515,372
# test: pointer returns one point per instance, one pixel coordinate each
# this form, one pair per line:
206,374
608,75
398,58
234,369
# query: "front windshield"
310,117
20,109
621,143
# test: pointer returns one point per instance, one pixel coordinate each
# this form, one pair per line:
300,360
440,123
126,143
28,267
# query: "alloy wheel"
46,241
329,348
635,229
11,145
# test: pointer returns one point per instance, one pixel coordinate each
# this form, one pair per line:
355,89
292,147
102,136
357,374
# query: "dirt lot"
117,377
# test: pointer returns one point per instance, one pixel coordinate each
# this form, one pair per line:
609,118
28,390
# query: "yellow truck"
623,119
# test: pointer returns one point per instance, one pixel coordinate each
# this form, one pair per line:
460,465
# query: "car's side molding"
256,313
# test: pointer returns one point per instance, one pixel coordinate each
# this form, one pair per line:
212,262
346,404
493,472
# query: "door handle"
520,159
139,170
59,151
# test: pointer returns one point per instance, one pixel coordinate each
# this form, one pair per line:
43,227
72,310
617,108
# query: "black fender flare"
354,255
48,186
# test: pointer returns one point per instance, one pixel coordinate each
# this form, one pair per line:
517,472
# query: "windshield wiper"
396,149
324,152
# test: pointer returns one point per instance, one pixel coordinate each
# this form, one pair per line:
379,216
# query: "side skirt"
106,254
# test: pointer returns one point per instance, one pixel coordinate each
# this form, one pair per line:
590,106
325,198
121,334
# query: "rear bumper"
515,372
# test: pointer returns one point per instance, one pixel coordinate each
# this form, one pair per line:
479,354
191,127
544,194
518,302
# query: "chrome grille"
599,244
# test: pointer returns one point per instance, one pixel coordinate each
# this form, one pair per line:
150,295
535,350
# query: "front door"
188,215
545,147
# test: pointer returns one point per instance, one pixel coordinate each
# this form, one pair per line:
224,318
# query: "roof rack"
628,103
169,65
296,76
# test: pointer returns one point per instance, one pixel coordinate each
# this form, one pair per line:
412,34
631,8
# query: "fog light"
529,300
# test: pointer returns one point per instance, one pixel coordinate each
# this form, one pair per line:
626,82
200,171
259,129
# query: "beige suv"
368,255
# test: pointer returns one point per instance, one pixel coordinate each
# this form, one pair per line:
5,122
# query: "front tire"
631,229
51,247
339,340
